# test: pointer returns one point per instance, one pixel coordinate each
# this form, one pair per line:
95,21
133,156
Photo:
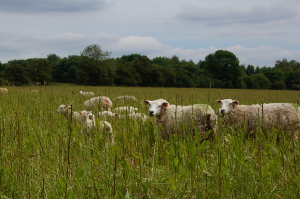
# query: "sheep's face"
227,105
62,109
86,115
155,107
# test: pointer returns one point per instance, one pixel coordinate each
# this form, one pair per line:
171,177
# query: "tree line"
95,67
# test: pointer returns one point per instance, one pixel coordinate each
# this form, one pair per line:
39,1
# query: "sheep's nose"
151,112
222,111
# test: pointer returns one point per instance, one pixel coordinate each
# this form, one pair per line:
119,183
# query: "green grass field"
42,155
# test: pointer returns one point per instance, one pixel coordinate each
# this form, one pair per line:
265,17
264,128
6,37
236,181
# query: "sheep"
139,117
88,123
86,94
126,109
283,116
100,103
107,114
126,98
173,118
64,109
3,90
34,91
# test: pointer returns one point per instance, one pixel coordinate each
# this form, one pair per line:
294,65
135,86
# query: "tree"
94,52
250,70
276,77
65,69
143,68
40,71
293,80
126,76
82,77
92,70
16,74
224,65
257,81
53,59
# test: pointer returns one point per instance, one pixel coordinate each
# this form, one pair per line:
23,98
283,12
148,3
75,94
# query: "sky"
258,32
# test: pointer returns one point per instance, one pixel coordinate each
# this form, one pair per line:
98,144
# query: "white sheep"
172,119
34,91
88,124
3,90
100,103
64,109
125,98
126,109
86,94
107,114
283,116
139,117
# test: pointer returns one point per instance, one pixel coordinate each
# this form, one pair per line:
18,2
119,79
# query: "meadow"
43,155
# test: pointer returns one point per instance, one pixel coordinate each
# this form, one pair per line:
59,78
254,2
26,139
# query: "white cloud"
32,46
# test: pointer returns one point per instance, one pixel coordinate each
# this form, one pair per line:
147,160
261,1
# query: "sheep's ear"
235,102
218,101
146,102
165,104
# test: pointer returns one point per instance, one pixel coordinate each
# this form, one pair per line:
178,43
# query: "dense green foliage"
44,155
94,67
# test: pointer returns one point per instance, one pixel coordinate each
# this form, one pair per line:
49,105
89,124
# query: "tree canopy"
95,67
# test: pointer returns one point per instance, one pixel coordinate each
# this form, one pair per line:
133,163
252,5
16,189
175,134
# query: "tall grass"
43,155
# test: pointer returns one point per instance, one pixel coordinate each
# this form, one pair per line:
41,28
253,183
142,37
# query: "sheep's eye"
230,104
159,106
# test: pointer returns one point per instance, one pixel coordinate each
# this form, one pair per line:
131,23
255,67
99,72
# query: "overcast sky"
258,32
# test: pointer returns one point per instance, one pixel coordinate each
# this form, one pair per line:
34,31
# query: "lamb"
283,116
3,90
173,118
126,109
86,94
64,109
88,124
126,98
100,103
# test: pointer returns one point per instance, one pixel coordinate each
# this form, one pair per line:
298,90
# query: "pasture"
43,155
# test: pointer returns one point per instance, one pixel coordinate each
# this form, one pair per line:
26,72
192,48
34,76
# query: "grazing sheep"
139,117
283,116
86,94
64,109
34,91
100,103
174,118
125,98
126,109
88,124
107,114
3,90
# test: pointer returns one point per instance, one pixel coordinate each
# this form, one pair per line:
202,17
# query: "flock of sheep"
174,119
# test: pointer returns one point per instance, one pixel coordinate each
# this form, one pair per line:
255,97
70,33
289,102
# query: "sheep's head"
86,115
226,106
62,109
155,107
